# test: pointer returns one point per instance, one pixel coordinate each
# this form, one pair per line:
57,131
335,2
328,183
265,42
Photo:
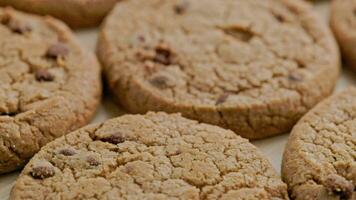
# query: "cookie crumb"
222,98
57,50
338,185
42,170
43,75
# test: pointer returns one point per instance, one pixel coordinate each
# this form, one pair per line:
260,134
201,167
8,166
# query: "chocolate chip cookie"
76,13
343,24
49,85
319,161
248,65
153,156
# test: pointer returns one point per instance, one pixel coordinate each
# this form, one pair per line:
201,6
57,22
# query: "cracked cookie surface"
49,85
320,158
248,65
76,13
343,24
152,156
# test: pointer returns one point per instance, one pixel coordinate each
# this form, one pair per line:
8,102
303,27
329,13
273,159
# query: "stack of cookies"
198,78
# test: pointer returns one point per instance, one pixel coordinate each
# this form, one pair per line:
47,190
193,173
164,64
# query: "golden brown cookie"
343,24
154,156
49,85
248,65
319,161
76,13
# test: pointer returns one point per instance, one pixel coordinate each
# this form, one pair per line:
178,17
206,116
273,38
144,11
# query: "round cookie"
319,160
343,24
49,85
76,13
248,65
152,156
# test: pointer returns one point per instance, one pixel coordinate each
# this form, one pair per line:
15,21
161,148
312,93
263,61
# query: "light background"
272,148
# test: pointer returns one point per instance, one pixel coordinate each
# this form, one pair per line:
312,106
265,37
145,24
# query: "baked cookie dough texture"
76,13
153,156
343,24
251,66
49,85
319,160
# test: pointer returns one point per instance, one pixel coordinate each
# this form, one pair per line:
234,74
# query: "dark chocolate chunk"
57,50
92,161
113,138
163,55
67,152
43,75
181,7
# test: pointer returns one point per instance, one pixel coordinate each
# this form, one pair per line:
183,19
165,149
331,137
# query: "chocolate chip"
113,138
141,38
42,170
163,55
92,161
295,77
222,98
18,27
181,8
279,17
11,113
57,50
43,75
338,185
161,81
67,152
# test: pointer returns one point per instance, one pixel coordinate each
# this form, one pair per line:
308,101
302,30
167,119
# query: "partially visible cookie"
343,24
320,158
76,13
153,156
49,85
253,66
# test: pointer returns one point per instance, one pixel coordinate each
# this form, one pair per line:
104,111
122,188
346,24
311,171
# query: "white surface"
272,148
